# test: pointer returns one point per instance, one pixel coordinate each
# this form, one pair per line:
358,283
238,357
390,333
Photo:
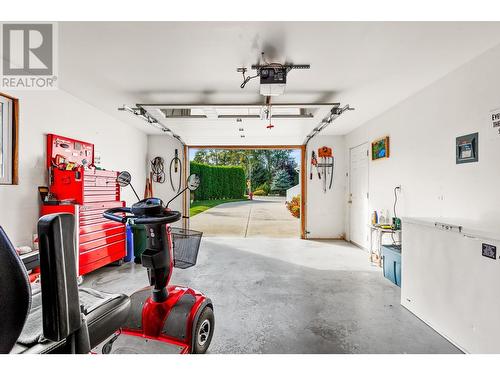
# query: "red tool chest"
77,187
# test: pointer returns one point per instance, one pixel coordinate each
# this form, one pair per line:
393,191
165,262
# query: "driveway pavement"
261,217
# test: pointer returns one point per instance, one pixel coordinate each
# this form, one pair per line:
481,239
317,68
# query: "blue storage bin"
130,245
391,258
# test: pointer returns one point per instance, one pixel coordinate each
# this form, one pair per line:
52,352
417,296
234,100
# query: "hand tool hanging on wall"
326,165
177,164
314,164
148,190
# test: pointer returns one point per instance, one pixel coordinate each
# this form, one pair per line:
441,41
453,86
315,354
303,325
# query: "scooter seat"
105,313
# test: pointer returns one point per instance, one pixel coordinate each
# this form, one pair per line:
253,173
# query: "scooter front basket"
186,245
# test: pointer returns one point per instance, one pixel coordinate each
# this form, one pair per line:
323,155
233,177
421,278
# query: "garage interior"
396,243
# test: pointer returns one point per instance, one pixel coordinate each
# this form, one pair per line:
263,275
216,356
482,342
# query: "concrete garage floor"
293,296
261,217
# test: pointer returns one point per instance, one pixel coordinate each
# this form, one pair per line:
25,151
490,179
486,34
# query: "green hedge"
219,182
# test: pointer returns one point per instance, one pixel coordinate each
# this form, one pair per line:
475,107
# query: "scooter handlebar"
167,217
110,214
170,217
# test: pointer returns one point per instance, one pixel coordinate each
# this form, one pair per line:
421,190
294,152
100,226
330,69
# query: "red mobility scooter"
57,317
163,318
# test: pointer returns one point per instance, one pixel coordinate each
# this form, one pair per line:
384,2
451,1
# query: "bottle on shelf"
387,217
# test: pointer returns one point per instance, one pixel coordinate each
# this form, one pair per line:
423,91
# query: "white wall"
164,146
121,147
326,211
422,132
292,192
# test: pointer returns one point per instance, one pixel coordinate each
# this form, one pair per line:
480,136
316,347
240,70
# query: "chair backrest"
15,294
60,300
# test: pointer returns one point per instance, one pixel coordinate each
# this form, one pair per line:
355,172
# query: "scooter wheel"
204,331
106,349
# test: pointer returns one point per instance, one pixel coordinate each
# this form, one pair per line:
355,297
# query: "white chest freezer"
451,279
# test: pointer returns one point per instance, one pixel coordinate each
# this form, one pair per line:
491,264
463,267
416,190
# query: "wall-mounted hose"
177,164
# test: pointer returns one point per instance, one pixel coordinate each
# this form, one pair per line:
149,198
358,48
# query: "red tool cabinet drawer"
100,226
101,173
98,208
93,181
91,215
92,220
101,252
99,190
101,256
101,234
102,241
98,198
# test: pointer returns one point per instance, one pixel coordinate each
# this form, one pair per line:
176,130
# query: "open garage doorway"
252,191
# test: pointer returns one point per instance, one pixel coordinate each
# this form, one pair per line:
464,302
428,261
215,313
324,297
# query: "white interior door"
358,195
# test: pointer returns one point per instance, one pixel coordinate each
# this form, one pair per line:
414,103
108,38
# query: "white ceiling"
370,65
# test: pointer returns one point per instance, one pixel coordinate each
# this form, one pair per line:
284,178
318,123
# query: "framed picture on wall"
380,148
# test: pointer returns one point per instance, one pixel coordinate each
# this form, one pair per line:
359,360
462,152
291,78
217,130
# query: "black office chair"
15,294
56,318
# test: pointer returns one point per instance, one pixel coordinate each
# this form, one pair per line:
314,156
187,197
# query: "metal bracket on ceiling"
334,113
144,115
288,67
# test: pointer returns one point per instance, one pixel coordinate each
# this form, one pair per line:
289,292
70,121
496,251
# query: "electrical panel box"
489,251
467,148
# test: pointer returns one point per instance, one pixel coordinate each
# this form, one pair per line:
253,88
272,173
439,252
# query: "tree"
281,182
201,157
260,175
291,169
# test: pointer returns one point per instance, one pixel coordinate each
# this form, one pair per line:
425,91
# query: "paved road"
262,217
